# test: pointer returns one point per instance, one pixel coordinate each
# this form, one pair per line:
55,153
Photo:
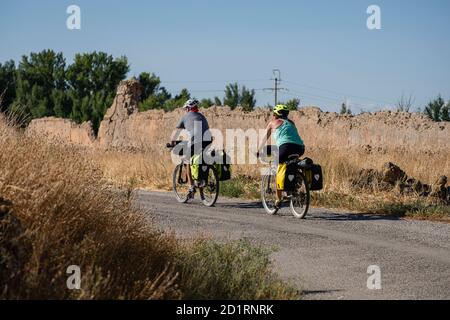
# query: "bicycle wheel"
210,192
269,193
180,183
300,199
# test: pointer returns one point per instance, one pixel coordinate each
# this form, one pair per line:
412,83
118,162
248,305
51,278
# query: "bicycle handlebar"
172,144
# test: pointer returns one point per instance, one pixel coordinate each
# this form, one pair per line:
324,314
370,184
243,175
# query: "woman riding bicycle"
287,140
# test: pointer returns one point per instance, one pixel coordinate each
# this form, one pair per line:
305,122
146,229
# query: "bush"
437,110
231,270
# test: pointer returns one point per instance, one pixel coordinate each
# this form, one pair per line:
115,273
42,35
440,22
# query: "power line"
214,81
276,88
356,105
339,93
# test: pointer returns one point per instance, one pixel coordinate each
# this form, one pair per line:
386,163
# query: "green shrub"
237,270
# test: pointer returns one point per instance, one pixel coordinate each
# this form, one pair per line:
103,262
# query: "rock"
124,106
126,101
442,181
366,179
411,185
392,173
440,189
5,207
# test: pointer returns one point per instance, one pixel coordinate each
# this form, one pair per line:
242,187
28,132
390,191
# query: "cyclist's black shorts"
198,148
287,149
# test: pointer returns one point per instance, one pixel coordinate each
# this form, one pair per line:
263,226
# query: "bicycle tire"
181,197
304,197
215,187
265,188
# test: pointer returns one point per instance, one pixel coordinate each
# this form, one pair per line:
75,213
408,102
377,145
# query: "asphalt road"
327,254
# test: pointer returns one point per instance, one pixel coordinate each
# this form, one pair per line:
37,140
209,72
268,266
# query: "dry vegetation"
60,211
152,169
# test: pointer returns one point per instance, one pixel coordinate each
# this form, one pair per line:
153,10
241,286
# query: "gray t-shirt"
197,127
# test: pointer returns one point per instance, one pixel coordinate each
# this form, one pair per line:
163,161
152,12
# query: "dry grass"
341,166
65,213
153,170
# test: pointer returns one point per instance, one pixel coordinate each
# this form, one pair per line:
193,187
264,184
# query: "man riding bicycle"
197,128
287,140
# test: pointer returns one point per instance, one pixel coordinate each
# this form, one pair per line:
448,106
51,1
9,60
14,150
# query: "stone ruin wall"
124,128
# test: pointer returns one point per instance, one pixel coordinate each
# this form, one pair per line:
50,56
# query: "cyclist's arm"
179,128
266,136
176,135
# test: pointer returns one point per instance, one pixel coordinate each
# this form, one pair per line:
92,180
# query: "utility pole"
276,88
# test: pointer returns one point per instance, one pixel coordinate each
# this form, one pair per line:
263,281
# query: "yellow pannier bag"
281,175
195,166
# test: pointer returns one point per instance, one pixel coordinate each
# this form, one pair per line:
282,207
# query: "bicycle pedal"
191,194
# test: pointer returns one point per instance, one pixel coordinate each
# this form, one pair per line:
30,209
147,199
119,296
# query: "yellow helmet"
281,110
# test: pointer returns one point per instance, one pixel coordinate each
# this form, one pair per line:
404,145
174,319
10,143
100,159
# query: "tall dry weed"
64,213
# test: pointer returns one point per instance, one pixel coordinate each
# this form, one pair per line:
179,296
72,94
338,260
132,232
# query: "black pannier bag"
316,183
224,169
291,177
223,166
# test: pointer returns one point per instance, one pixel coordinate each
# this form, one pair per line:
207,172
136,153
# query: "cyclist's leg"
204,146
189,172
189,176
286,150
283,154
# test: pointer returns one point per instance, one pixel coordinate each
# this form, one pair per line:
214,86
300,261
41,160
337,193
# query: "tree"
232,97
345,109
177,101
446,113
150,84
92,81
217,101
405,103
293,104
7,84
155,101
235,96
247,99
437,110
206,103
40,85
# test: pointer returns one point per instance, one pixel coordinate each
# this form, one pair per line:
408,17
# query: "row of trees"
43,84
157,97
437,109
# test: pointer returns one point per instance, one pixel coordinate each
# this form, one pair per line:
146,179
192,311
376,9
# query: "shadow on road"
243,205
330,216
317,214
314,292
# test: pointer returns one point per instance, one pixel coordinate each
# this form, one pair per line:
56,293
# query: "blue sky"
324,50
